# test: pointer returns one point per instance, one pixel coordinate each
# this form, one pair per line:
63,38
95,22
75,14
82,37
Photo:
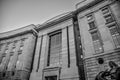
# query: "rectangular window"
90,17
97,42
109,18
92,25
22,41
19,63
10,63
14,44
107,15
7,46
115,35
105,10
20,49
5,53
54,48
12,52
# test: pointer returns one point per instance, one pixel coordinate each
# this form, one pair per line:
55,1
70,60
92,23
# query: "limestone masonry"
76,45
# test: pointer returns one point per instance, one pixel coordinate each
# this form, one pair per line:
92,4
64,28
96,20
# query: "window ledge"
92,30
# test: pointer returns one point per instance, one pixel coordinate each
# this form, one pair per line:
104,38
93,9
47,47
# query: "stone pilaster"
15,56
64,48
69,72
28,53
7,57
37,55
36,64
42,57
2,52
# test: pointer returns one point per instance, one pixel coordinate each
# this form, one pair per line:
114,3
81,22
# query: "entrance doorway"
51,78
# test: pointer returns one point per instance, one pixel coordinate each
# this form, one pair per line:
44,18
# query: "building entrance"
51,78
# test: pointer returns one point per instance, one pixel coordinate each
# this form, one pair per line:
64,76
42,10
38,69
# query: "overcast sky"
19,13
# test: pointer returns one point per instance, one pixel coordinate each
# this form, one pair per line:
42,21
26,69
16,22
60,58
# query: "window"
5,53
105,10
7,46
19,63
20,50
109,18
97,42
115,35
54,48
10,63
91,21
12,52
51,78
90,17
14,44
107,15
92,25
22,41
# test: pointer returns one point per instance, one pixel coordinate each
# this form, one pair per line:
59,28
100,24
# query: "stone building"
55,55
99,24
75,45
16,53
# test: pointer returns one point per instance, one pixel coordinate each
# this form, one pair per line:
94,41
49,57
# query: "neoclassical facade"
75,45
99,25
16,53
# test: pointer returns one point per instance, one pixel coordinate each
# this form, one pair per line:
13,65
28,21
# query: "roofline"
56,21
70,15
87,6
17,32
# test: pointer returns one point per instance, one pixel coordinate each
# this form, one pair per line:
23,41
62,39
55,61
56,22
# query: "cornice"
56,21
70,15
87,6
17,32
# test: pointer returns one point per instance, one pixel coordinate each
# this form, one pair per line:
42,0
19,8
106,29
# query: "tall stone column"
37,55
42,57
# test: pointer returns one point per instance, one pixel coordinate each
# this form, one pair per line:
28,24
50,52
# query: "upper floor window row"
91,21
115,34
107,15
112,25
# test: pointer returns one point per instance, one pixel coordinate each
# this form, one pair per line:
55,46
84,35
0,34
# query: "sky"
19,13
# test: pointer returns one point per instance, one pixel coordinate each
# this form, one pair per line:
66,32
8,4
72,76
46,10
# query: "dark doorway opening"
51,78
